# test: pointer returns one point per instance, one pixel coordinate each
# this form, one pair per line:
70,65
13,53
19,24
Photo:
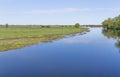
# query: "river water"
95,54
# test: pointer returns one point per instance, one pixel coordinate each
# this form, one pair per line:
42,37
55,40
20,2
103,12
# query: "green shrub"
77,25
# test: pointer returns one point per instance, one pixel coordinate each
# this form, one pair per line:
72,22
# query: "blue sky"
57,11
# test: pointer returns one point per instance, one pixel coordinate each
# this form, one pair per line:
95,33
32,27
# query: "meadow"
14,37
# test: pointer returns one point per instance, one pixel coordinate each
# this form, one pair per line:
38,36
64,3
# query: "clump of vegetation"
77,25
6,25
48,26
112,23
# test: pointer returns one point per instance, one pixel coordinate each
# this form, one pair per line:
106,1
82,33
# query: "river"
95,54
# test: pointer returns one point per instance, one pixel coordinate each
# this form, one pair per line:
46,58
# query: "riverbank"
18,37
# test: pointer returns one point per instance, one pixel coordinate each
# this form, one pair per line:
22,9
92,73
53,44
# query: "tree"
6,25
112,23
77,25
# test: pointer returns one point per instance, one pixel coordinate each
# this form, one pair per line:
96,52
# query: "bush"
6,25
77,25
48,26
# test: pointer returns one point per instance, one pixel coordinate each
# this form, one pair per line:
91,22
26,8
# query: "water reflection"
75,40
113,34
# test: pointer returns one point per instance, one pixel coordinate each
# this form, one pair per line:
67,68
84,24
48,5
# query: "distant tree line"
92,25
77,25
112,23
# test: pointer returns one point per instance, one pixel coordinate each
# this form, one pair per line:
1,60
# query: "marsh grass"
18,37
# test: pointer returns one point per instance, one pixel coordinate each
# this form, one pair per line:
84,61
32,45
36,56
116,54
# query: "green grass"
18,37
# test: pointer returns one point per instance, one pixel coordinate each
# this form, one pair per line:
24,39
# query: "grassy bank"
18,37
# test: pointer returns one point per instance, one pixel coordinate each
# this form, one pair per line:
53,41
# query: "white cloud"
52,11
